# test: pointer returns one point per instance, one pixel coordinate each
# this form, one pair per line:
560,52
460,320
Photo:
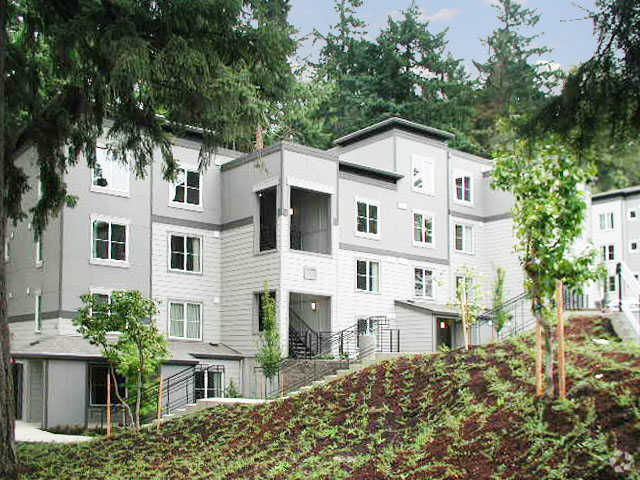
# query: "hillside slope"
459,415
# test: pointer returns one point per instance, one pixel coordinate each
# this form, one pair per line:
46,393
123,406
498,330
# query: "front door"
443,332
208,384
17,388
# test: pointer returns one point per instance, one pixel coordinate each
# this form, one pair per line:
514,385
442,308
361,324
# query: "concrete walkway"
29,432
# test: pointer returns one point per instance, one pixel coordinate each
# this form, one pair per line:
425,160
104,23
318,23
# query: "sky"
562,24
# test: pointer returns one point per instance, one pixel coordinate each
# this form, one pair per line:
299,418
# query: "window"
608,252
98,386
109,175
39,253
261,313
463,188
367,218
423,282
633,214
422,175
367,276
268,238
37,315
109,241
463,289
208,383
185,253
185,320
186,191
7,248
633,246
422,229
606,221
463,238
612,283
101,297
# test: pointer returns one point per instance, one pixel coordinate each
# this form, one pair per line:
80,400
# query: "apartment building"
375,229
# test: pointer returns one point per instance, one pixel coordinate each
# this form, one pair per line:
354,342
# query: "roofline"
622,192
373,171
389,123
424,308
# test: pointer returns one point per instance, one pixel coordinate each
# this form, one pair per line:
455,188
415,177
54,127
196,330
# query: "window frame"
37,313
110,190
7,248
39,253
368,262
368,203
608,250
424,214
170,251
114,398
109,262
172,190
635,212
462,174
464,227
427,164
433,283
184,328
258,307
607,226
634,250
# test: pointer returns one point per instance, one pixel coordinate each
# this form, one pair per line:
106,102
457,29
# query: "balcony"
310,229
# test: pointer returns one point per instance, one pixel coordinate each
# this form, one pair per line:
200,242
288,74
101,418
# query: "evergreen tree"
512,84
151,66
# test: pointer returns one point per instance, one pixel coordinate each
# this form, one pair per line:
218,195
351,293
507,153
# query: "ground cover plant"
454,415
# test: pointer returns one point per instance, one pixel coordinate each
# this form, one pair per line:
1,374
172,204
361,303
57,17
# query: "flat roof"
393,122
621,192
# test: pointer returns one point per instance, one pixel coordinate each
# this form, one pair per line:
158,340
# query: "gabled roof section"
430,307
390,123
622,192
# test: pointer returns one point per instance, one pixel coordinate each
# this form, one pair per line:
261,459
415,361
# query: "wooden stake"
562,367
108,404
159,403
539,378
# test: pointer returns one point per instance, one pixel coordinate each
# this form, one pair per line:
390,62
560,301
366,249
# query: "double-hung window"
367,276
608,252
422,229
186,192
423,282
109,241
463,238
37,314
185,253
109,175
463,188
606,221
422,180
367,218
185,320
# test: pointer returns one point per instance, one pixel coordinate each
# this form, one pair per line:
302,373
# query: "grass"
455,415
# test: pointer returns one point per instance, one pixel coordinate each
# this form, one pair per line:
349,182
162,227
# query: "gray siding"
67,393
35,391
416,330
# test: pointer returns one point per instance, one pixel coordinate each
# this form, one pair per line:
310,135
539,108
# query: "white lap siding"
204,288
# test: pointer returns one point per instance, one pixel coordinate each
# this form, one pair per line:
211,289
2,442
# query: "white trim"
199,207
424,213
433,281
608,215
108,261
464,226
309,185
201,253
607,248
461,174
184,302
428,181
368,261
266,184
375,203
109,190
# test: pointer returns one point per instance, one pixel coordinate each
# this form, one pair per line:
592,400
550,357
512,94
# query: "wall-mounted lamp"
314,306
291,212
443,324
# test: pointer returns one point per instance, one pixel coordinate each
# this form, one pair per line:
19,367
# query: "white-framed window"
185,320
422,175
7,248
463,187
37,313
606,221
109,241
186,191
101,295
608,253
367,276
467,289
612,283
423,228
39,254
463,238
634,246
423,285
367,218
185,253
109,175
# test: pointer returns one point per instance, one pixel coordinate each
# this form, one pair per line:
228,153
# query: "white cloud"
441,15
495,2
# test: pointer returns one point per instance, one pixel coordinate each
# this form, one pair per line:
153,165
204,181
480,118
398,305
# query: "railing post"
619,273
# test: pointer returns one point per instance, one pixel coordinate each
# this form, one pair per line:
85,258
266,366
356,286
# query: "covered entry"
425,326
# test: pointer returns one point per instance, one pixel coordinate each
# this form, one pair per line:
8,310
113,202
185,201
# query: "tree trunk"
548,361
8,459
139,392
122,401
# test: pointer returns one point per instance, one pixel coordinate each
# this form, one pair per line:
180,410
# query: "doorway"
208,384
18,375
444,332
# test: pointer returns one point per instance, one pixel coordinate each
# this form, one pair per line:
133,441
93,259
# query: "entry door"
443,332
17,388
208,384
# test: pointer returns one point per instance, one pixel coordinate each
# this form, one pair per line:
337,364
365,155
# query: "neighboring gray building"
377,227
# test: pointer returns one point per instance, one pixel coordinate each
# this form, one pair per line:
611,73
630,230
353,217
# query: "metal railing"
304,341
574,300
629,295
515,315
